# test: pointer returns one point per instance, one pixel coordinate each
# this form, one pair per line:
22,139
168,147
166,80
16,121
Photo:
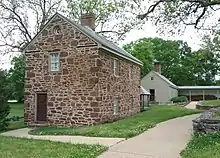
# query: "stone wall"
122,86
81,93
207,122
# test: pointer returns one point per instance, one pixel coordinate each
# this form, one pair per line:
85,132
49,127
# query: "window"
116,104
57,30
151,78
54,62
116,67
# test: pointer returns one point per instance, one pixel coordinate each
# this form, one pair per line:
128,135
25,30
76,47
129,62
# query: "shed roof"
105,44
198,87
144,91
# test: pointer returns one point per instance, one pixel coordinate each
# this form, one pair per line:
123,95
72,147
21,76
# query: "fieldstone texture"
82,92
208,122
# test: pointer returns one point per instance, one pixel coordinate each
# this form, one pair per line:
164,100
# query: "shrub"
179,99
4,107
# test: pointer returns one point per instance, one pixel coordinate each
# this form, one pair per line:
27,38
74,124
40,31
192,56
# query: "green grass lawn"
26,148
203,146
17,109
210,103
125,128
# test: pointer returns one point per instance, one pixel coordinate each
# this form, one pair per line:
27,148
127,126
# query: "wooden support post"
190,96
203,94
218,94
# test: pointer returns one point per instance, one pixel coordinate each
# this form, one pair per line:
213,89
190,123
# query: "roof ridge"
105,43
165,79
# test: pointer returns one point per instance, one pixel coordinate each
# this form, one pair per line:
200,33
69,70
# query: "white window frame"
116,67
54,62
116,105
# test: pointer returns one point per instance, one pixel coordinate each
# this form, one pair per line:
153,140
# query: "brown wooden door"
41,107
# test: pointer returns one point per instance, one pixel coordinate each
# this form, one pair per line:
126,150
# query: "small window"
151,78
57,30
116,104
54,62
116,67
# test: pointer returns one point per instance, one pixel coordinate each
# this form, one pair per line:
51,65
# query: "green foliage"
16,78
179,99
179,63
125,128
203,146
4,107
24,148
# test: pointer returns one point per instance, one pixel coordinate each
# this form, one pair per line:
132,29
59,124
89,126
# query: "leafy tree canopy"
15,78
179,63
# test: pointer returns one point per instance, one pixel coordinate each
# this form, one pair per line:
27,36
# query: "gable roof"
165,79
105,44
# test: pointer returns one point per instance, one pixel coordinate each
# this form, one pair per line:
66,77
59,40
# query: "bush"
4,107
179,99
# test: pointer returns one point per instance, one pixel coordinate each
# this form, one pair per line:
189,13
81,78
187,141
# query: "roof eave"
118,54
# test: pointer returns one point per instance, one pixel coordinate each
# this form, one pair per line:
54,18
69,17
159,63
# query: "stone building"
77,77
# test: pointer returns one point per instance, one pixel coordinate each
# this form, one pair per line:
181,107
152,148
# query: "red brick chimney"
157,66
88,19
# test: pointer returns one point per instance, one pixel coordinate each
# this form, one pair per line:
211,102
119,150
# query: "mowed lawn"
16,109
125,128
203,146
210,103
26,148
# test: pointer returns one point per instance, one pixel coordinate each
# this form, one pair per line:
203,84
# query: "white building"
162,89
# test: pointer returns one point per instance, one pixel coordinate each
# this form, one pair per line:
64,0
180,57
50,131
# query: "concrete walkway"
166,140
191,105
23,133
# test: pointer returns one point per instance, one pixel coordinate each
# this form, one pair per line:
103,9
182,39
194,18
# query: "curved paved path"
23,133
191,105
166,140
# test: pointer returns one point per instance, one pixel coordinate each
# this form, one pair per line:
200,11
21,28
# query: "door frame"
35,107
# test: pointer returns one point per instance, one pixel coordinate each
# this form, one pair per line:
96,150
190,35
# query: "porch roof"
198,87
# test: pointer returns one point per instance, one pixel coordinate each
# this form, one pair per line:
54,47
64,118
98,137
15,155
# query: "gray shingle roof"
106,44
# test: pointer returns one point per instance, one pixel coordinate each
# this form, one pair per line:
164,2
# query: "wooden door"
41,107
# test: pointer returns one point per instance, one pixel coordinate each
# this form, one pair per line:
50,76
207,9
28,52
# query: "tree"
196,13
22,19
179,63
4,107
114,18
205,66
15,78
